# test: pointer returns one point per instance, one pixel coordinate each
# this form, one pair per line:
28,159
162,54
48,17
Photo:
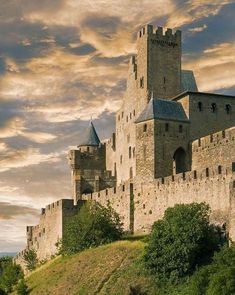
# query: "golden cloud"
25,157
214,68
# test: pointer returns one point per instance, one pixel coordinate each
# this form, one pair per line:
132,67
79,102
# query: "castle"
172,144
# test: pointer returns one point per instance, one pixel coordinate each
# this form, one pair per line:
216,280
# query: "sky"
65,61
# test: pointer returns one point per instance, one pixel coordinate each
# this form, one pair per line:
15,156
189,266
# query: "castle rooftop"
162,110
91,138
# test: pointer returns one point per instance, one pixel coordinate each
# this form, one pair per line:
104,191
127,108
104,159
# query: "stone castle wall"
44,236
215,149
151,199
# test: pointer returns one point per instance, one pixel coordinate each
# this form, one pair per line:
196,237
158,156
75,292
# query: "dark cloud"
10,211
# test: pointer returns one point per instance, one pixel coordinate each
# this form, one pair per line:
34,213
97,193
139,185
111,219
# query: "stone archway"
179,161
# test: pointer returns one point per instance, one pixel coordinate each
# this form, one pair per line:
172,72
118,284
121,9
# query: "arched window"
180,128
213,107
199,106
145,128
129,152
167,127
228,108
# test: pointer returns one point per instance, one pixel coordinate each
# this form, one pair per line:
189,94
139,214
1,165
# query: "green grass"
109,269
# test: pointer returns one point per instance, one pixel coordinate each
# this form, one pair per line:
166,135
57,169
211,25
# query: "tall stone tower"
88,166
158,63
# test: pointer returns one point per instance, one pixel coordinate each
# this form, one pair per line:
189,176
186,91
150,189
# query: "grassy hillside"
109,269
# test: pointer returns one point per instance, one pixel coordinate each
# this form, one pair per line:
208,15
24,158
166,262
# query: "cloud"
186,13
24,157
198,29
214,67
10,211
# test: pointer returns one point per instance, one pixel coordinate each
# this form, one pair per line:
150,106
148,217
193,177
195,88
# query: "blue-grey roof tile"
163,110
90,138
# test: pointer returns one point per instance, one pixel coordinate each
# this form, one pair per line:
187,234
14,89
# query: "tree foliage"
31,260
10,273
22,288
93,225
182,240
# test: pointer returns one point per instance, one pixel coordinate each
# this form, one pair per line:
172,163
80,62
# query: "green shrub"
22,288
10,274
94,225
180,241
30,258
222,282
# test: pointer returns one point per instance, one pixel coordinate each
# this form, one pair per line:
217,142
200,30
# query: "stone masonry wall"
215,149
44,236
151,199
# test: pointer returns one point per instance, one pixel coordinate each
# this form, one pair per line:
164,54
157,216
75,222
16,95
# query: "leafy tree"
180,241
22,288
222,282
30,258
93,225
10,274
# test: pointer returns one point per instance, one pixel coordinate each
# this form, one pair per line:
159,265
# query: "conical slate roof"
90,136
163,110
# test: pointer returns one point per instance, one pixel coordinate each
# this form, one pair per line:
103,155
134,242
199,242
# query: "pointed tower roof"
90,137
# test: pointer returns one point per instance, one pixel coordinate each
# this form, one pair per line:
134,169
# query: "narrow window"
122,114
211,138
199,106
123,188
223,134
213,107
127,118
145,127
129,152
142,82
219,169
131,172
167,127
199,142
207,172
130,116
164,80
195,174
133,152
180,128
121,159
228,108
134,112
119,118
88,148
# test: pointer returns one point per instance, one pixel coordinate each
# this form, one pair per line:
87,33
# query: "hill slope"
109,269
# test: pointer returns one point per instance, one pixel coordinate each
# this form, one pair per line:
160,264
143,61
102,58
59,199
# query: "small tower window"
88,148
142,82
127,118
200,106
167,127
213,107
164,80
134,112
119,118
131,172
121,159
145,128
133,152
129,152
130,116
228,108
180,128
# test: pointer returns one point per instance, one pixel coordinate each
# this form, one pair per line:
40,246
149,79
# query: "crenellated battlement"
214,139
159,34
